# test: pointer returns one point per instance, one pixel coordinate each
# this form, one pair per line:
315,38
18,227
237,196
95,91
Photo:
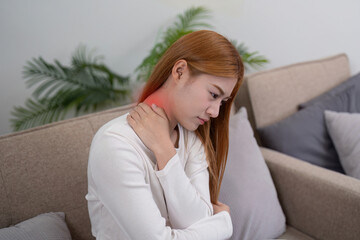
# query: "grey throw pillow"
47,226
247,186
353,82
304,135
344,129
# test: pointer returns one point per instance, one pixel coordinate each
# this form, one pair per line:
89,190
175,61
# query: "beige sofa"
44,169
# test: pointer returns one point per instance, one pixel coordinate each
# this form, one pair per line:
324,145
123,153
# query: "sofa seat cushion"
294,234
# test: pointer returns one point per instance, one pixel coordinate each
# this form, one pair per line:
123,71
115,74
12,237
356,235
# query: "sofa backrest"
44,169
275,94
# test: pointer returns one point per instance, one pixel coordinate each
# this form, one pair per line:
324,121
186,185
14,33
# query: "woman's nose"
213,109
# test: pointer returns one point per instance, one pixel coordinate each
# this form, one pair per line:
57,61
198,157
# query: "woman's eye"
214,95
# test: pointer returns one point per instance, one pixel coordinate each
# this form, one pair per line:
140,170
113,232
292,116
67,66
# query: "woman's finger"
135,114
159,111
145,108
130,120
140,110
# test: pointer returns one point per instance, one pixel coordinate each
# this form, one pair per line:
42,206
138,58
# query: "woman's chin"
191,127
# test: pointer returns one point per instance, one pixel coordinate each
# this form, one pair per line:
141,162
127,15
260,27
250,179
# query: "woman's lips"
202,121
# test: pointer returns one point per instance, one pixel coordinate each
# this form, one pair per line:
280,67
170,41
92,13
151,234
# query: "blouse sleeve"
187,190
119,177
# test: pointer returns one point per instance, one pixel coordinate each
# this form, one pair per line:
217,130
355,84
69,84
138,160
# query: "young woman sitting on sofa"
156,172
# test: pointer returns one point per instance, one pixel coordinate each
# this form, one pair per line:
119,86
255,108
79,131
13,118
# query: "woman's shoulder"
118,128
118,123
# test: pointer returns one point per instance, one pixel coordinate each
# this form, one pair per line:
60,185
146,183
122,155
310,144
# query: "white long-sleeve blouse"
129,198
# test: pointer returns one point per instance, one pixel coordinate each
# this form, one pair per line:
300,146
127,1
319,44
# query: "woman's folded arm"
186,189
119,179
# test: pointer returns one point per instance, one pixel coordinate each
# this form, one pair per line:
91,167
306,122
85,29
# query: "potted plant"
87,85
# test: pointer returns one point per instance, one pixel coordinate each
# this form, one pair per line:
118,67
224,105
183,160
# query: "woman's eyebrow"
220,90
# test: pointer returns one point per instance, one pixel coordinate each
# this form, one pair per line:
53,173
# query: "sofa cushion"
304,134
247,186
47,226
294,234
354,82
344,129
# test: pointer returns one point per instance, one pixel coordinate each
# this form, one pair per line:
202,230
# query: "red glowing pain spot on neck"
155,100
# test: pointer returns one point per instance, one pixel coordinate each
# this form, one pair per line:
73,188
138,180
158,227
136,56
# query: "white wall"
285,31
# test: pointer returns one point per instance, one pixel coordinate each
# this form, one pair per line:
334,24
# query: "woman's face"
199,98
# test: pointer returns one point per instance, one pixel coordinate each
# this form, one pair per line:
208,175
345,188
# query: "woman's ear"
179,70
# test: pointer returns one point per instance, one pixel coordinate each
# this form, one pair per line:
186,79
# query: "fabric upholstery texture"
47,226
5,214
44,170
242,99
276,94
49,182
293,234
304,134
353,82
344,129
323,204
247,186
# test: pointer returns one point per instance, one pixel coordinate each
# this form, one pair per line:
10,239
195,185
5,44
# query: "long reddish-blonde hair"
211,53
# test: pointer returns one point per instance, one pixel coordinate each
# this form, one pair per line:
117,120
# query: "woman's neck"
160,98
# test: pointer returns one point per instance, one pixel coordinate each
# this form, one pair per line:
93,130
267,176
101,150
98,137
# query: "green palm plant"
85,86
190,21
250,59
88,85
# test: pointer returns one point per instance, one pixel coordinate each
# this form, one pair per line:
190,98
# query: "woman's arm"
187,193
119,176
187,196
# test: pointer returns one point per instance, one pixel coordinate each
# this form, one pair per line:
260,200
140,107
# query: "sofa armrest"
320,203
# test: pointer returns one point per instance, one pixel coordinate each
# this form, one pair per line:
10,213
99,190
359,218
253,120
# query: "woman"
156,172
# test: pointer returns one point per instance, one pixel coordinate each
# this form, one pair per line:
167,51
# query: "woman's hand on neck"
160,99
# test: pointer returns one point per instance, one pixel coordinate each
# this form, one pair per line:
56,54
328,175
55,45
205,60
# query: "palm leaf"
191,20
35,113
86,85
250,59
